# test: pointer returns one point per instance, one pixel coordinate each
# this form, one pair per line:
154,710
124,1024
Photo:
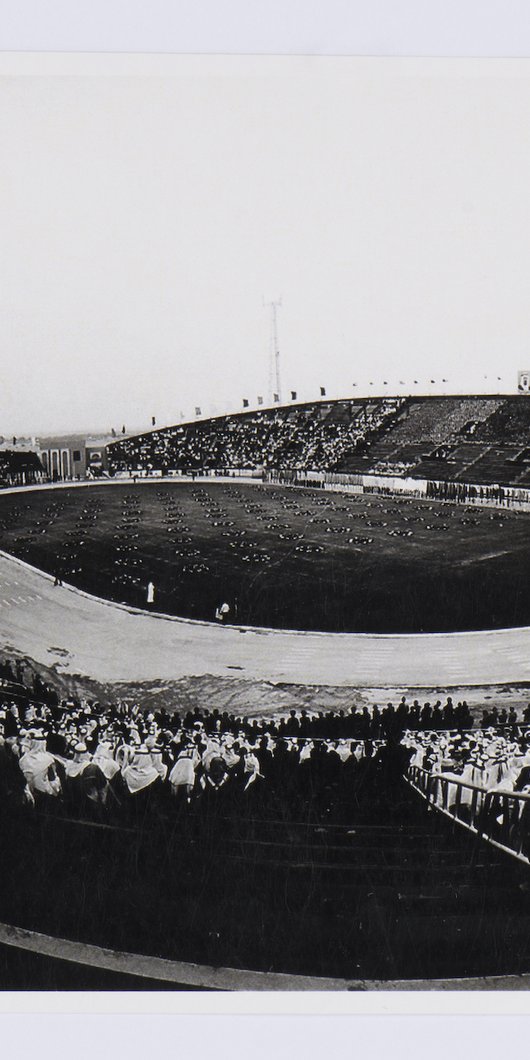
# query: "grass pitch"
282,558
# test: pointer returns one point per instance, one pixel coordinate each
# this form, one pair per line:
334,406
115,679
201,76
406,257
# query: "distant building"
73,456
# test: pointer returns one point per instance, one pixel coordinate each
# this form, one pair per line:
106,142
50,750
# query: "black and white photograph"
264,524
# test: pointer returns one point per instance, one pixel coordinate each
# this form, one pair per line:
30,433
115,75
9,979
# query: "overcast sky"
144,219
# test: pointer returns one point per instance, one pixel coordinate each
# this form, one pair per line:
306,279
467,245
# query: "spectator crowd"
121,760
311,436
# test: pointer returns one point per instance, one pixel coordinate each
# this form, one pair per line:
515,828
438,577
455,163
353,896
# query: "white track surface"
82,635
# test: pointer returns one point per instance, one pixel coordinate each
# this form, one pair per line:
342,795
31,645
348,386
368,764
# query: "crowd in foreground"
491,759
119,758
469,776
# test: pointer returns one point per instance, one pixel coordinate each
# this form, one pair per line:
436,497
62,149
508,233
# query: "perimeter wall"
463,492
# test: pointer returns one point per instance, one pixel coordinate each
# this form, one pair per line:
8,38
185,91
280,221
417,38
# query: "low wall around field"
496,496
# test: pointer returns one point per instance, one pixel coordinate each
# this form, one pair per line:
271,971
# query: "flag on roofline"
245,403
322,391
293,395
276,397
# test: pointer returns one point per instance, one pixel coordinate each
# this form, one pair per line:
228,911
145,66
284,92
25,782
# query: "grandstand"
311,435
483,440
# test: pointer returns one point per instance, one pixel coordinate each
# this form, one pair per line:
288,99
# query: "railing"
500,817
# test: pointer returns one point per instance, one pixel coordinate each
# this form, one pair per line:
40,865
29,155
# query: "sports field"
281,558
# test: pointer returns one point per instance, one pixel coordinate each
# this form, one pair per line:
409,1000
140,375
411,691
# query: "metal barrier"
500,817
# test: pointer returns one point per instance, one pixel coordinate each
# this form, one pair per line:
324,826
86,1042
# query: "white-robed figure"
82,759
182,775
84,778
251,768
156,758
343,750
215,769
231,751
126,752
140,773
463,796
104,758
39,769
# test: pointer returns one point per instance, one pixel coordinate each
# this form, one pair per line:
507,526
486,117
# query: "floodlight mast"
274,355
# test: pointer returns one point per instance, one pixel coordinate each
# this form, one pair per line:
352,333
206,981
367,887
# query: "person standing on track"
150,595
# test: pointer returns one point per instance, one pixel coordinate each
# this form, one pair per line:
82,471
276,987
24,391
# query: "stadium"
265,689
264,659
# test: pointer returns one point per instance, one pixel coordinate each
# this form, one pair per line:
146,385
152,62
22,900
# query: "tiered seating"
466,439
312,436
480,440
510,422
493,465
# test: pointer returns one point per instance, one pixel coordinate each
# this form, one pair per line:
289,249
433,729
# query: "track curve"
85,636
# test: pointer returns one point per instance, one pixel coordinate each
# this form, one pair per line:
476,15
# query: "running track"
83,635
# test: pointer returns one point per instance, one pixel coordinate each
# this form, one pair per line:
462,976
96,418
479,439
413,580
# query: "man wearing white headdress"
231,756
140,772
215,769
81,759
126,751
104,758
182,775
156,756
39,769
343,750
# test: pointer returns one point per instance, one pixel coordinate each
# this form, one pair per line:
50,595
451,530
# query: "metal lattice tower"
274,353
